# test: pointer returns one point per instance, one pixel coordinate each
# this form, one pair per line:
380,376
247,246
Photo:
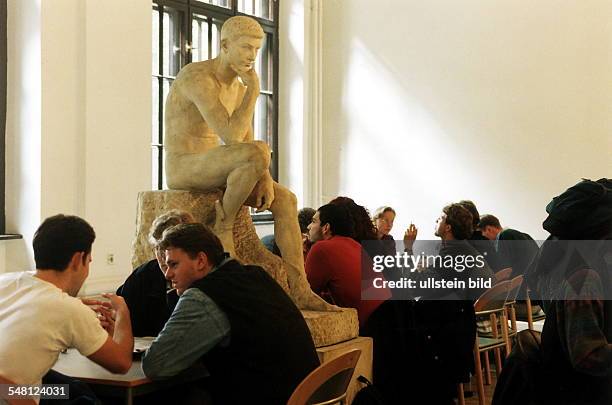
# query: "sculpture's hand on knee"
264,193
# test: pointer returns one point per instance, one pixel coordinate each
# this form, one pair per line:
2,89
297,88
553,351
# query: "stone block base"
328,328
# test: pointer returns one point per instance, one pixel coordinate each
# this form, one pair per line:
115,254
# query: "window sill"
263,218
10,236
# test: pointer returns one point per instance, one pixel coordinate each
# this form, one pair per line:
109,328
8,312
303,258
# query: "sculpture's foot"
307,300
224,231
303,296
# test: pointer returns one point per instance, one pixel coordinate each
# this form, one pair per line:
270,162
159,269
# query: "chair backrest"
328,382
494,298
28,401
515,286
503,274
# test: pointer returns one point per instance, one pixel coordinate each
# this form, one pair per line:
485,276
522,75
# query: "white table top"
75,365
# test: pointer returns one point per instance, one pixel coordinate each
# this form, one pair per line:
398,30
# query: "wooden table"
128,385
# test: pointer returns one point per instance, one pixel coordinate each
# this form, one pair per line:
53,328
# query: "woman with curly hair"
364,228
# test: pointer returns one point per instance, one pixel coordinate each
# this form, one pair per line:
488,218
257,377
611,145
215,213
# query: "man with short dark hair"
333,264
237,319
515,249
40,316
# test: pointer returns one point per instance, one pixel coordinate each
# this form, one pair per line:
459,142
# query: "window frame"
3,98
188,8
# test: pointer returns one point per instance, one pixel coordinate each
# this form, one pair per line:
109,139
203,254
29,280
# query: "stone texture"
327,328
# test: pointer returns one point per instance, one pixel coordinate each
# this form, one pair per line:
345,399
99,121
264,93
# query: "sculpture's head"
240,40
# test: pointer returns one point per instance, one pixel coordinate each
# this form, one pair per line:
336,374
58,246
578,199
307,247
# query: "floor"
489,389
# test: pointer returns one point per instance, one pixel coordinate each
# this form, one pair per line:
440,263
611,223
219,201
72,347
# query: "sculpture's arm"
249,136
231,129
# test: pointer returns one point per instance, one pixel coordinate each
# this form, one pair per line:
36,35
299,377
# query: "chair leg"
460,396
498,362
487,367
529,314
479,382
506,337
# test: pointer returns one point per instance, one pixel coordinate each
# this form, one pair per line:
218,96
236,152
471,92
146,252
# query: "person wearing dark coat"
437,330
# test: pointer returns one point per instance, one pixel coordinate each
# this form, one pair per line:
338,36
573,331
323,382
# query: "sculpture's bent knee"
259,156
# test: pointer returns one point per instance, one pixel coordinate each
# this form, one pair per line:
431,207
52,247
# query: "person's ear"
76,260
326,229
224,45
203,262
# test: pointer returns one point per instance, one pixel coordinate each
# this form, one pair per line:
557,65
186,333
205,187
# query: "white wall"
79,123
506,103
23,129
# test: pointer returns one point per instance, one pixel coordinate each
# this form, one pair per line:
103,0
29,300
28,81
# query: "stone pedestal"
202,207
364,365
326,327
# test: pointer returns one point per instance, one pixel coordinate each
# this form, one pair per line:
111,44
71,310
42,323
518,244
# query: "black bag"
517,383
581,211
368,395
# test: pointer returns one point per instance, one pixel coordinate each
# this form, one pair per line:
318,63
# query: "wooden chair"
28,401
513,291
491,305
530,317
328,383
502,275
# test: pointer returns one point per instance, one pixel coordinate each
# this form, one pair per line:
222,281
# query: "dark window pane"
172,24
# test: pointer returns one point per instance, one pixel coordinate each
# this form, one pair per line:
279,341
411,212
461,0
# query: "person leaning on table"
40,316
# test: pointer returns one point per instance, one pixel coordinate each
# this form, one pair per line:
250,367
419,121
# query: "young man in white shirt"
40,316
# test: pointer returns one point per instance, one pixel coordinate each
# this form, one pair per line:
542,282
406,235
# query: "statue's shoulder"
201,73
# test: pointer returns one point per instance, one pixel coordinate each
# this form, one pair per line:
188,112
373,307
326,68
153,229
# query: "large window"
186,31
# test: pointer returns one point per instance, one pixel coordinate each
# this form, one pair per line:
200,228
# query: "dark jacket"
150,305
516,249
270,350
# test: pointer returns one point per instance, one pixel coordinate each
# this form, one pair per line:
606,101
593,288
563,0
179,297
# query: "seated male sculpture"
210,145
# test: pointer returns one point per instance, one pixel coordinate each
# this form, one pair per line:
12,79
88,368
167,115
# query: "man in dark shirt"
516,249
